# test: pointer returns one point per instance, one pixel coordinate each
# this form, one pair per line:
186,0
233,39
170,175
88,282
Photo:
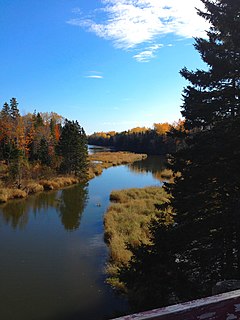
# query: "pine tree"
14,109
215,94
72,146
202,246
206,195
5,112
43,152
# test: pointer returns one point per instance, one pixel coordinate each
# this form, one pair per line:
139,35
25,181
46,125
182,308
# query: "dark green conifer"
14,111
202,247
72,147
214,94
5,112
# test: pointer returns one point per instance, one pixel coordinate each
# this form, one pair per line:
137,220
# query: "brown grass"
57,183
8,194
127,222
116,158
31,187
104,160
166,175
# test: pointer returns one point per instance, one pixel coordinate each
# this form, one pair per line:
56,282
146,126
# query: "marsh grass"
8,194
58,182
38,182
116,158
31,187
103,160
127,221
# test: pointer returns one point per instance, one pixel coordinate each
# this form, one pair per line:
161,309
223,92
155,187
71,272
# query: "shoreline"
97,163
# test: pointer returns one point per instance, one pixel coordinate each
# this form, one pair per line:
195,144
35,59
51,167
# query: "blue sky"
111,65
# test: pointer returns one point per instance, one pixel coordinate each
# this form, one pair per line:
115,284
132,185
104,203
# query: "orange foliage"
57,132
162,128
138,130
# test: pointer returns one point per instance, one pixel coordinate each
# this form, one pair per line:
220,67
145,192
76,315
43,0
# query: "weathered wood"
224,306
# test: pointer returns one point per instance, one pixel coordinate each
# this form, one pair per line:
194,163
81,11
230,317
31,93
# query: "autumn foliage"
28,143
140,139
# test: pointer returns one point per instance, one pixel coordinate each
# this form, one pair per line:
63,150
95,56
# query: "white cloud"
94,77
148,53
93,74
130,23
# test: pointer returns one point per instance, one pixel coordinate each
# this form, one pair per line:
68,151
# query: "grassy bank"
127,223
31,187
44,178
103,160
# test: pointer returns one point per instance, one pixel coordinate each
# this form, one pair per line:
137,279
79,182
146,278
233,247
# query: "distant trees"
141,140
34,138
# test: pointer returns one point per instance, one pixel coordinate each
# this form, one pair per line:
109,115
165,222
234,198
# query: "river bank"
97,163
53,250
126,224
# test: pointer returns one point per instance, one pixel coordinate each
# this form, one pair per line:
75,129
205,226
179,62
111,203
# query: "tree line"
40,140
141,139
202,246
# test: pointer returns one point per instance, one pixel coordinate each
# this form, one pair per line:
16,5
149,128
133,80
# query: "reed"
8,194
127,222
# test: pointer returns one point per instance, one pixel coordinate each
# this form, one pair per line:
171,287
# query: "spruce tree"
5,112
214,94
206,195
202,246
72,147
14,109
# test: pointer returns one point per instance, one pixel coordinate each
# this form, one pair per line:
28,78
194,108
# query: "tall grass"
31,187
37,180
127,223
8,194
104,160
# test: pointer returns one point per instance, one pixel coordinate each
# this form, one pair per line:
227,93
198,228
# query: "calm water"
53,254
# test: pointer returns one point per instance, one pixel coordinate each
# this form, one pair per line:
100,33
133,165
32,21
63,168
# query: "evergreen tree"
72,146
202,246
43,152
5,112
215,94
14,109
206,195
38,121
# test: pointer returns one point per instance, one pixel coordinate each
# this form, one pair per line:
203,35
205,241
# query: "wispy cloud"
148,53
94,77
131,23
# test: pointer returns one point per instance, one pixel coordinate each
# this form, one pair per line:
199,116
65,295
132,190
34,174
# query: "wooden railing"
225,306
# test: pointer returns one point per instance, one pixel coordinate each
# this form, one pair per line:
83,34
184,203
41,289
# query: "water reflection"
152,164
69,203
47,272
95,149
15,214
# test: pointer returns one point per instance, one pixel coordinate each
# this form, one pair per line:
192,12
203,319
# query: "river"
52,250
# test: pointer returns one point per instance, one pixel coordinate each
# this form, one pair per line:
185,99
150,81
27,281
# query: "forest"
201,245
156,141
39,145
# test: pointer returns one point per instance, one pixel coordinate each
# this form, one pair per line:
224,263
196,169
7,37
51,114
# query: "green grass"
127,222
